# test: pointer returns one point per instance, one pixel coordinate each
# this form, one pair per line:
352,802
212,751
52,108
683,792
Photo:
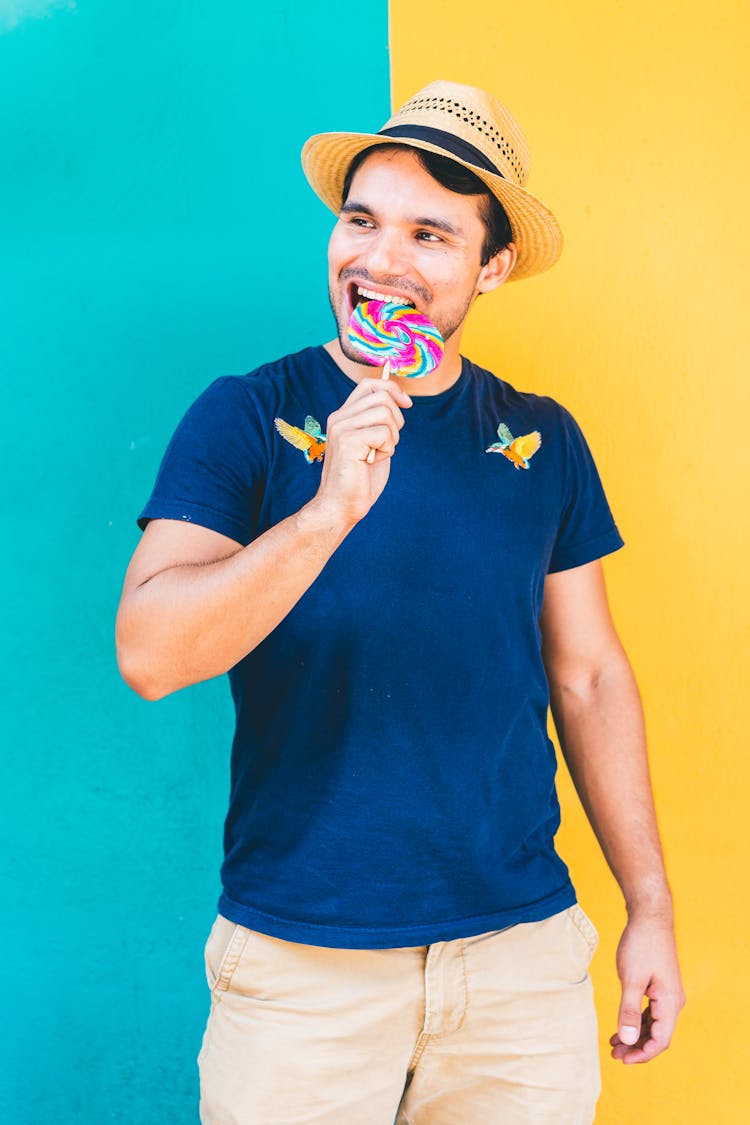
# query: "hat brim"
536,233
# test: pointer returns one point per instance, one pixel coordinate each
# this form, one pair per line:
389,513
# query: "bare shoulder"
170,543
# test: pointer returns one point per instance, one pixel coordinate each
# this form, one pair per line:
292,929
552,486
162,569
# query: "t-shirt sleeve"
587,529
213,470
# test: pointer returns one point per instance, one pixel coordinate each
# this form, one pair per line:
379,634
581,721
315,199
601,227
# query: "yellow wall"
637,116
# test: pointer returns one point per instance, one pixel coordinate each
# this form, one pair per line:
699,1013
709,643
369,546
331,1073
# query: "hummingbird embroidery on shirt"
518,450
310,440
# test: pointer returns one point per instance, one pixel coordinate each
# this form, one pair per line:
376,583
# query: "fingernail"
629,1035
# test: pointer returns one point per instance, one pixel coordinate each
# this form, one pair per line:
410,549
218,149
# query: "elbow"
146,689
136,668
590,688
137,677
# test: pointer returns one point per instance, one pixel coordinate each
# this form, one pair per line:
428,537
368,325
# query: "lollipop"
405,341
391,333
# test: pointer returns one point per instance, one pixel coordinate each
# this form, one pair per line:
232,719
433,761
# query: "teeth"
371,295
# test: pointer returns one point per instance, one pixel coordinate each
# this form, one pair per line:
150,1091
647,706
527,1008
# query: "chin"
352,354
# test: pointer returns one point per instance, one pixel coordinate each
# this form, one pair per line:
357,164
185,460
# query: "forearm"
599,720
195,603
601,729
191,622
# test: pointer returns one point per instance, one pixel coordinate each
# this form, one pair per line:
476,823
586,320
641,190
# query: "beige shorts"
498,1028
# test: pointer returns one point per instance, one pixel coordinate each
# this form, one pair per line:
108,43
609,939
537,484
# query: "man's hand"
647,966
369,419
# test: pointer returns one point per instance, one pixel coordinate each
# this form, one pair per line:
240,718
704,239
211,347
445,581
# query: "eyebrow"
353,207
438,224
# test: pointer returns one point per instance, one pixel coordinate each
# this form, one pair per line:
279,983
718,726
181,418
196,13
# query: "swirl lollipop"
405,341
394,334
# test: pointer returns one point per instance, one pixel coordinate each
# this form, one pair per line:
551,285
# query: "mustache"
390,280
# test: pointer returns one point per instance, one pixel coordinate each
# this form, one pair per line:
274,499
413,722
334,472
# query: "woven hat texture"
471,127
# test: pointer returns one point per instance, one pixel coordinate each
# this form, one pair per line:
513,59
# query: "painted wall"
142,236
637,115
155,223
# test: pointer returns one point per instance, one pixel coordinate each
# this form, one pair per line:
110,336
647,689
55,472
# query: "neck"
444,375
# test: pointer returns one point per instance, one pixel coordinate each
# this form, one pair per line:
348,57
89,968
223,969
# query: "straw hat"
474,129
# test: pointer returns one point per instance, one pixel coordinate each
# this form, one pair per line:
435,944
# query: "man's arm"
599,721
195,602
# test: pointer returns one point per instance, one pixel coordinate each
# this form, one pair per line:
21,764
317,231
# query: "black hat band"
454,145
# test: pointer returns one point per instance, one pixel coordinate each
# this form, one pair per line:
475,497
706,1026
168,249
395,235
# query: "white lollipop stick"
386,375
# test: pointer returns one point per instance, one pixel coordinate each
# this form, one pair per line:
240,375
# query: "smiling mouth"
358,294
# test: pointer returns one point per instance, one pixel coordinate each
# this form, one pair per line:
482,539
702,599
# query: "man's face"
401,235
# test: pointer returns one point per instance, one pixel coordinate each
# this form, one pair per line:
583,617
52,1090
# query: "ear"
499,267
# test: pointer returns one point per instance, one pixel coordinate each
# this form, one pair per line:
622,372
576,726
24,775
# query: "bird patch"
310,440
518,450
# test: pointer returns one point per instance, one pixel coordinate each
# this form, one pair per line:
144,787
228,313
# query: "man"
397,938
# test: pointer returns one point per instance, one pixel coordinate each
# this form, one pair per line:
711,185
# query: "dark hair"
454,177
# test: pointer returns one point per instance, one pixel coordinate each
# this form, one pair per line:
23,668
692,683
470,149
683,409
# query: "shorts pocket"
223,951
584,927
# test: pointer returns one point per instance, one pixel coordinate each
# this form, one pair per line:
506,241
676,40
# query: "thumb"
629,1016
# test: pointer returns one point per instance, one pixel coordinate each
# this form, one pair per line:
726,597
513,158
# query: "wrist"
320,519
652,898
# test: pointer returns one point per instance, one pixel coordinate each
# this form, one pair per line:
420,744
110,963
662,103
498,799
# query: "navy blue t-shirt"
392,781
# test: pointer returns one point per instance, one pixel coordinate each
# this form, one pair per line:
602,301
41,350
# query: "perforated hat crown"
467,125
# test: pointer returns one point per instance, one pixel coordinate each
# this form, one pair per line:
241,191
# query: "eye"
428,236
360,222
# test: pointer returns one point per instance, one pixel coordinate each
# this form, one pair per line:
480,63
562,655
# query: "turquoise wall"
155,227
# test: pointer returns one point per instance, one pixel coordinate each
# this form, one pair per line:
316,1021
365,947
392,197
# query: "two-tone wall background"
154,227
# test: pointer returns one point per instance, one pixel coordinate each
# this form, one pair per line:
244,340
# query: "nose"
387,254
